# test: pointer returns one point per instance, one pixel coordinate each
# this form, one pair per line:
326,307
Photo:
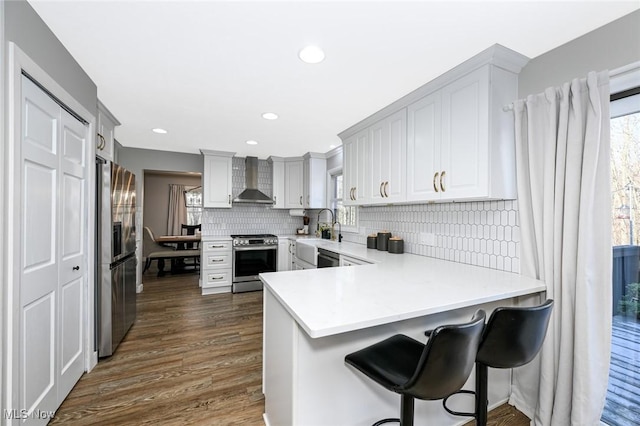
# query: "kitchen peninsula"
313,318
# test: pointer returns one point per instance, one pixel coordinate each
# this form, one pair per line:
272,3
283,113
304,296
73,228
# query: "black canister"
383,240
372,241
396,245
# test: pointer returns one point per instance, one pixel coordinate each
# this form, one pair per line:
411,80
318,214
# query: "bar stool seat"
512,338
414,370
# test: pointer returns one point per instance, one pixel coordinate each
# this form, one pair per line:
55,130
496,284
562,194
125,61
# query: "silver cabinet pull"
229,198
435,187
381,185
217,278
301,200
442,181
216,260
386,186
216,246
275,199
76,268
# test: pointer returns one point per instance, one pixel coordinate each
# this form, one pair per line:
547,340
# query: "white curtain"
177,210
564,197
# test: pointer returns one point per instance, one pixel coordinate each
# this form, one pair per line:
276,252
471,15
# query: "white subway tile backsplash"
478,233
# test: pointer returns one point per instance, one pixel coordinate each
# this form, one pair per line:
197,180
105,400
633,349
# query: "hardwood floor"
188,359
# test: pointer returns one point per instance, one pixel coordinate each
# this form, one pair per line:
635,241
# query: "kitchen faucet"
333,223
332,218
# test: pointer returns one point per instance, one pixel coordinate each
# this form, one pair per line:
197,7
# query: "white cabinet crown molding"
217,153
108,113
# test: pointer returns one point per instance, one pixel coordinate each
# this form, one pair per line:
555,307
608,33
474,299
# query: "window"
346,215
193,202
622,406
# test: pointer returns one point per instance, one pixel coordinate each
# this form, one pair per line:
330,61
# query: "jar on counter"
383,240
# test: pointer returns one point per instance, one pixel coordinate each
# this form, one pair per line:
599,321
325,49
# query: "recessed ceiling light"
159,130
311,55
270,116
252,143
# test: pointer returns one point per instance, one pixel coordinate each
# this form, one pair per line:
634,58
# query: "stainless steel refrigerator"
116,280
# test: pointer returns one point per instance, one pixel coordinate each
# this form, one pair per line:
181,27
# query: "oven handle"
255,248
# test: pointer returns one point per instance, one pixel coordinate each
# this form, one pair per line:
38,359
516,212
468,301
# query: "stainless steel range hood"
251,194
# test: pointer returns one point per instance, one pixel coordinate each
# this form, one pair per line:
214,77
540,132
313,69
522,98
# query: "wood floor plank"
188,360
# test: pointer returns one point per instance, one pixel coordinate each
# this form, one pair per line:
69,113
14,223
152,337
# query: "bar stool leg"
406,414
481,394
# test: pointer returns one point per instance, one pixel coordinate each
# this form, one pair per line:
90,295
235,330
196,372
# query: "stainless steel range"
253,254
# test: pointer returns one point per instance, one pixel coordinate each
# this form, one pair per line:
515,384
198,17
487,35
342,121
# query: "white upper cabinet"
449,140
460,147
314,181
217,179
293,171
105,140
423,148
277,164
388,142
464,153
356,159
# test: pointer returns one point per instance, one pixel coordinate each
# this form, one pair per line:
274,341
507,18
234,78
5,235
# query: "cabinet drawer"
217,279
216,260
217,246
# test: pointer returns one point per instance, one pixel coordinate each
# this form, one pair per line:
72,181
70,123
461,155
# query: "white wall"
24,27
606,48
156,197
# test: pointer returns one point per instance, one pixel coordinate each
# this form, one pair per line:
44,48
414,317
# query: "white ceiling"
207,70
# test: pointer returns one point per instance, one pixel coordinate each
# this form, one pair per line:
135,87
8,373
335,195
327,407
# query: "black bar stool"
413,370
512,338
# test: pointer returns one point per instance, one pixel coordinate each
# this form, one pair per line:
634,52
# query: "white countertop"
395,287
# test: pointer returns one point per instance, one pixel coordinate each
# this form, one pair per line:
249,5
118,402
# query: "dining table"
178,265
181,241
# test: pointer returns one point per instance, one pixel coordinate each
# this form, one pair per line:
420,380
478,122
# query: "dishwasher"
327,259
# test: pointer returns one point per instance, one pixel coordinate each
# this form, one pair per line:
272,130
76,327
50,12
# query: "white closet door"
73,266
39,283
53,257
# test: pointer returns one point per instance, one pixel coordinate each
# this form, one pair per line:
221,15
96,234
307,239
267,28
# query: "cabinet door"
293,184
284,255
377,162
362,192
464,161
278,185
106,136
357,156
423,149
217,181
394,149
349,170
388,142
314,183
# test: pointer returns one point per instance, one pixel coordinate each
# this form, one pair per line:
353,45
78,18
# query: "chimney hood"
251,194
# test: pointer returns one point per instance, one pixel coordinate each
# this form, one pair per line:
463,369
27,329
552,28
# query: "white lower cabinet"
284,255
216,266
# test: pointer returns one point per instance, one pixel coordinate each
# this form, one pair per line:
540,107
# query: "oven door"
248,262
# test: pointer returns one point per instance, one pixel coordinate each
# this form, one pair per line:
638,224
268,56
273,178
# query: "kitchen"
535,76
